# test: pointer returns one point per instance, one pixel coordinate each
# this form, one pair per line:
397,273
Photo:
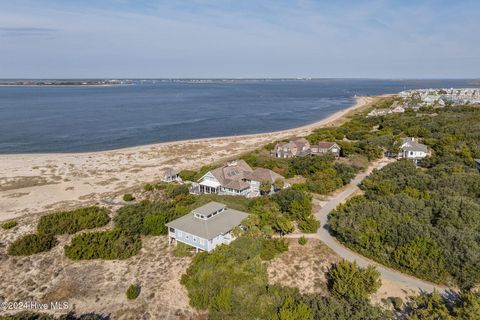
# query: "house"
170,175
324,148
206,227
412,150
397,109
293,148
477,162
235,178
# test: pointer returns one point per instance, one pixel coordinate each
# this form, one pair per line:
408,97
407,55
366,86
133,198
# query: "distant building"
325,148
412,150
397,109
206,227
170,175
293,148
301,147
235,178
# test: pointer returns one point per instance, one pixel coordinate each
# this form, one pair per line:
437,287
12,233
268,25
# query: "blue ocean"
39,119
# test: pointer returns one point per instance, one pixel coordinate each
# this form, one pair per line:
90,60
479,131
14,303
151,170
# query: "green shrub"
148,187
302,240
396,302
173,190
128,197
272,247
188,175
347,280
31,244
9,224
108,245
145,217
70,222
182,250
133,292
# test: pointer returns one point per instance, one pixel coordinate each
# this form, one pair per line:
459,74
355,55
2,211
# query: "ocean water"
80,118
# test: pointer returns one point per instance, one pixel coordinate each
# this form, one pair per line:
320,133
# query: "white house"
412,150
206,227
235,178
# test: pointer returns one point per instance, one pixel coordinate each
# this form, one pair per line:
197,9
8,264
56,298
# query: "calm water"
71,119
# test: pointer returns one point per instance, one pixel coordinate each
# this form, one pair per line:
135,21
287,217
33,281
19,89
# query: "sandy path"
32,183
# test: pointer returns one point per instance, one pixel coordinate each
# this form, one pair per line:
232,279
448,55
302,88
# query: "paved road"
324,235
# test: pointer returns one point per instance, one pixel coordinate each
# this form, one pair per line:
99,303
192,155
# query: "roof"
210,207
262,174
208,229
170,172
325,144
409,144
231,172
299,143
237,185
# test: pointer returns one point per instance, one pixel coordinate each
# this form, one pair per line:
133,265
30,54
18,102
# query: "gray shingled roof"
413,146
210,207
208,229
262,174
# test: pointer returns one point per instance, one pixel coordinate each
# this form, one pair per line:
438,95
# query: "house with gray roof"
413,150
206,227
292,148
325,148
235,178
170,175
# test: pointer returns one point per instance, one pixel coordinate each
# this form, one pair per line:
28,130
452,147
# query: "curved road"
347,254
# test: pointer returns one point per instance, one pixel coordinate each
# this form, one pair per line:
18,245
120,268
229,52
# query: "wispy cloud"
231,38
26,32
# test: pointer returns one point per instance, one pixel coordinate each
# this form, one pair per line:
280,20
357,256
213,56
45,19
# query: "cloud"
229,38
26,32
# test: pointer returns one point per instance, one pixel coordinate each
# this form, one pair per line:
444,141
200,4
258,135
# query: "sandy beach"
36,183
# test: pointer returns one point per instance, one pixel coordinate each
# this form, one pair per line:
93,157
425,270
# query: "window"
202,242
180,233
194,239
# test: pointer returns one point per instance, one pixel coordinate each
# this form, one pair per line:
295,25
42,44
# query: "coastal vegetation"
128,197
9,224
58,223
244,292
107,245
424,221
133,292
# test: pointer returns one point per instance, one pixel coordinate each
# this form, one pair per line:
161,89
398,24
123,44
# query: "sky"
239,39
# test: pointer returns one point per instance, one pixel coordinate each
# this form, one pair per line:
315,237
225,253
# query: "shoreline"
31,184
360,101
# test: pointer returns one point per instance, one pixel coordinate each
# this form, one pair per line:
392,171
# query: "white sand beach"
35,183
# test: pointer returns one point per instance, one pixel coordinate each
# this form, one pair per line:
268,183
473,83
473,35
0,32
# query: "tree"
347,279
265,187
467,306
428,306
292,310
279,184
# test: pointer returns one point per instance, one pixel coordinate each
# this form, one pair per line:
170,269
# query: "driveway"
321,213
